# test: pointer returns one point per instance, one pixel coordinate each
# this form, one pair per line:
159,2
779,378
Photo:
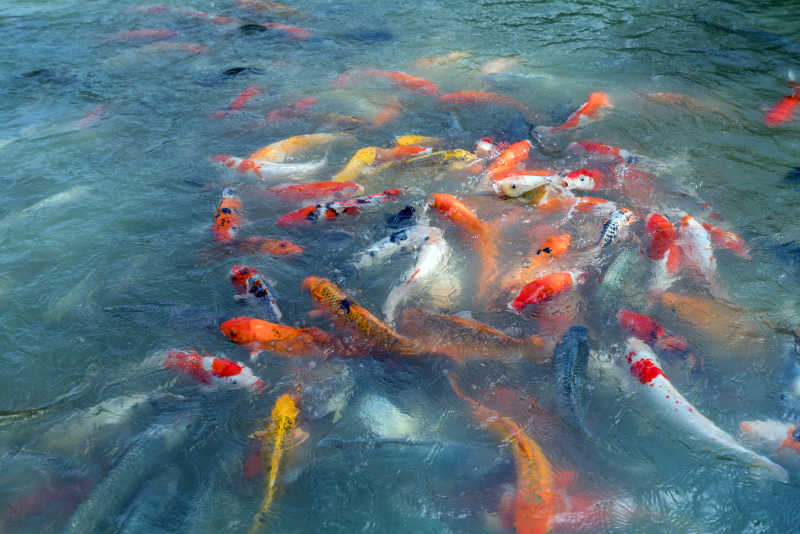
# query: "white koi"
405,239
263,170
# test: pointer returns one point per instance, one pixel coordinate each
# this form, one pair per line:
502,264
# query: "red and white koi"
214,372
651,331
143,35
331,210
261,170
250,283
674,409
696,248
586,180
728,240
663,250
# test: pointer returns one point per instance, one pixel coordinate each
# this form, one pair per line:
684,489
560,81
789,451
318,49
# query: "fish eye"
513,186
282,245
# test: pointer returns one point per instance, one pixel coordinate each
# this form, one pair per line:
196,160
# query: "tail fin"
775,471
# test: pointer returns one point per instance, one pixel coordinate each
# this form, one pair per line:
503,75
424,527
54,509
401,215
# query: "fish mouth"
309,283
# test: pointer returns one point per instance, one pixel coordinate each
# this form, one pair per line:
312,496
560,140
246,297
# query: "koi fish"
387,114
545,288
438,61
727,240
486,148
570,203
328,297
265,245
331,210
778,438
264,5
214,372
315,191
650,331
238,102
260,336
291,147
400,153
588,112
508,159
606,152
61,495
585,180
614,226
480,236
427,275
477,98
405,239
191,48
419,140
570,361
676,410
251,283
93,116
358,164
663,250
143,35
535,498
228,217
292,110
401,79
295,32
262,170
551,248
520,182
273,443
696,249
464,339
784,110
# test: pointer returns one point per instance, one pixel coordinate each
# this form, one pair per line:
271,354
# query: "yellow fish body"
290,147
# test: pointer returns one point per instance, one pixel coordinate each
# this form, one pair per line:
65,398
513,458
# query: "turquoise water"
107,257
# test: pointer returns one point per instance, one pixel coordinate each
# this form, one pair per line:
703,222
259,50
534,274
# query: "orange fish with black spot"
228,217
347,312
259,336
543,258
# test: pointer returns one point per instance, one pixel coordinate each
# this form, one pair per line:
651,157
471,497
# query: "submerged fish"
403,240
650,331
238,102
260,336
249,282
315,191
263,170
781,439
291,147
401,79
477,98
674,409
570,361
266,245
784,110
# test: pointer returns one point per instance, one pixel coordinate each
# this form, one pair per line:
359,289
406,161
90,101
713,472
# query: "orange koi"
551,248
292,111
510,158
143,35
588,112
228,217
295,32
465,339
387,115
283,150
315,191
260,336
328,297
265,245
536,499
607,152
728,240
238,102
545,288
784,110
401,79
478,98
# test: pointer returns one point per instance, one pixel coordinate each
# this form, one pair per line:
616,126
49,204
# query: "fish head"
584,179
239,275
555,245
303,215
239,330
285,408
313,283
280,247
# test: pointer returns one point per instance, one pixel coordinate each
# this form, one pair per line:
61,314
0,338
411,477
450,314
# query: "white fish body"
695,243
267,171
519,184
672,406
405,239
433,256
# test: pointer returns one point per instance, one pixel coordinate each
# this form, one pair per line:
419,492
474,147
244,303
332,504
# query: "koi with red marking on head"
214,372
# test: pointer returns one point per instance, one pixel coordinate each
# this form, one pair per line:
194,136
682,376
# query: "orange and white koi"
438,61
480,236
566,201
588,112
291,147
249,282
775,437
509,159
292,110
214,372
696,249
536,498
401,79
520,182
266,245
332,210
261,170
465,339
328,297
228,217
674,409
728,240
260,336
238,102
545,288
478,98
143,35
784,110
315,191
485,148
608,153
615,225
663,250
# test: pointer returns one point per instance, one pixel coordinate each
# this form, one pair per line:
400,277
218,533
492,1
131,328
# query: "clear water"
104,229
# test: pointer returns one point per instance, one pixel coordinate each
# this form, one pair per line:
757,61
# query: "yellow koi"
290,147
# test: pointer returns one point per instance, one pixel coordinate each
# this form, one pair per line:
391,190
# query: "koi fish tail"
776,471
